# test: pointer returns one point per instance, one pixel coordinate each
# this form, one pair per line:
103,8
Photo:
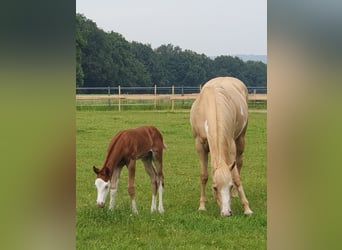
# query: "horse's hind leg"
131,188
153,176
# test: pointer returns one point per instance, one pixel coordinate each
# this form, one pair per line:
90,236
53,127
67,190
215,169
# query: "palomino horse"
145,143
219,118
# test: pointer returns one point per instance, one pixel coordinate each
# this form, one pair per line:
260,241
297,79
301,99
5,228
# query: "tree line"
108,59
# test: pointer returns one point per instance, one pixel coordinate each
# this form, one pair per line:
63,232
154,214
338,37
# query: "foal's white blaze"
225,198
102,191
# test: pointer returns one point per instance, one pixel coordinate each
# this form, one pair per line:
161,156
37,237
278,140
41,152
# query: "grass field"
182,226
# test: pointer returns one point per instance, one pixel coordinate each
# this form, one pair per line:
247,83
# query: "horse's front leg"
114,187
202,151
238,184
131,188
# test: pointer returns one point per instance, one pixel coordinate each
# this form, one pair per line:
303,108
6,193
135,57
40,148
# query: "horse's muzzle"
226,213
101,204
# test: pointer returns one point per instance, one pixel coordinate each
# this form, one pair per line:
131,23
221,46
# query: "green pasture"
182,226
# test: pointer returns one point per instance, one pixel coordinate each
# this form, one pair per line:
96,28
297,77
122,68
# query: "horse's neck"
220,137
225,153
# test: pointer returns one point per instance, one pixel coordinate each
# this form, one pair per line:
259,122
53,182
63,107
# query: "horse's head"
222,184
102,184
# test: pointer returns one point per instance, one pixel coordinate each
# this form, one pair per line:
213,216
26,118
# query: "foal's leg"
202,151
131,189
114,187
158,161
153,176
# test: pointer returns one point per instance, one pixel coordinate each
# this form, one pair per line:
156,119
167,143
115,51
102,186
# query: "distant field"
97,103
151,101
181,226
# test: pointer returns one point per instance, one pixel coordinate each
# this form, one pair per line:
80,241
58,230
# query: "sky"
215,27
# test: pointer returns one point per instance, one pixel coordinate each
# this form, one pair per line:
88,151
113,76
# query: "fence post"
108,96
254,102
155,96
172,97
119,90
200,88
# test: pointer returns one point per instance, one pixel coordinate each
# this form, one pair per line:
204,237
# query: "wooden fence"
119,97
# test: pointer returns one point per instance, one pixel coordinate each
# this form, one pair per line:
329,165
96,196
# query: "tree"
228,66
107,59
80,42
255,74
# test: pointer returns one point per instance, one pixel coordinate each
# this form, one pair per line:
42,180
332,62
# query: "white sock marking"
154,203
160,190
134,207
112,198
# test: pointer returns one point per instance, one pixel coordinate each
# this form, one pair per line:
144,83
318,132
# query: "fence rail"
123,96
153,90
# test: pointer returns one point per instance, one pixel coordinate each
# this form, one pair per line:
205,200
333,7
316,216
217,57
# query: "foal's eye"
106,186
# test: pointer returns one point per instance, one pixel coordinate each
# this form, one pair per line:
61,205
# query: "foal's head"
222,184
102,184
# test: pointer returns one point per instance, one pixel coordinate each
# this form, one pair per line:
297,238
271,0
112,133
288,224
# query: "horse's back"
231,86
223,99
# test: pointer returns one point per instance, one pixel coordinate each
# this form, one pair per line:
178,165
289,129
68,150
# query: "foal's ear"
96,170
232,166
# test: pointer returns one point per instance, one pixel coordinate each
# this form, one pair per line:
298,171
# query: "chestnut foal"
145,143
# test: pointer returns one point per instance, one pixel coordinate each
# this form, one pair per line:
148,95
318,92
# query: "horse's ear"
107,171
232,166
96,170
